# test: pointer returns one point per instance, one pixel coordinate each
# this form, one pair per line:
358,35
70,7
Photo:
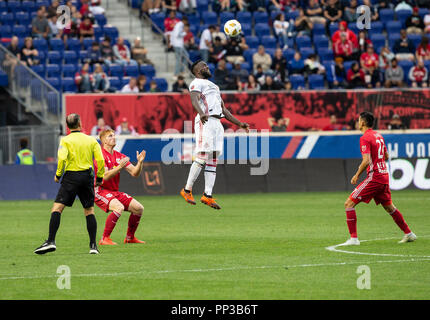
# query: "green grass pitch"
258,246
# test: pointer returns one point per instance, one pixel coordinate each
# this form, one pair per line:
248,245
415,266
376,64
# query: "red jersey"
369,60
373,143
112,161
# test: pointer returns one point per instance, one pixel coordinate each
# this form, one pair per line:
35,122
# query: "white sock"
210,176
195,169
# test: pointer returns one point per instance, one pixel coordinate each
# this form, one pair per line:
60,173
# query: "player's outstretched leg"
401,223
136,211
351,221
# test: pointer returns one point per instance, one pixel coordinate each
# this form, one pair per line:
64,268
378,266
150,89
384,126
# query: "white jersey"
210,96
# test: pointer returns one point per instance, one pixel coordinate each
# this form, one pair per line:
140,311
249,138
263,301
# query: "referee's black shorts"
77,183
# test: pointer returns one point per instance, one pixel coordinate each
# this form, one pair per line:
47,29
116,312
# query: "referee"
75,159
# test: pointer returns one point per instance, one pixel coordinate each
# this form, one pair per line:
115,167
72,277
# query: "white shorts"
209,136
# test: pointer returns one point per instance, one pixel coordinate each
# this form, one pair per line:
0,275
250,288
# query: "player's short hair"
104,133
194,64
368,118
73,121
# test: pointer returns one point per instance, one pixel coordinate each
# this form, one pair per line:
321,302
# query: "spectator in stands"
13,47
139,53
423,50
415,24
96,7
262,58
240,74
332,12
94,54
52,9
220,34
282,29
217,51
222,77
150,6
394,75
404,48
122,53
355,76
344,48
99,127
374,14
370,64
188,6
259,74
333,126
418,75
40,25
315,12
86,29
169,23
71,29
350,11
125,129
55,31
235,48
279,125
206,43
153,86
339,76
131,86
396,123
350,35
303,24
385,58
141,83
427,23
313,66
177,41
85,8
100,79
25,156
279,74
278,58
384,4
257,5
363,42
189,40
168,5
84,79
106,51
270,85
180,85
297,65
252,84
403,5
29,55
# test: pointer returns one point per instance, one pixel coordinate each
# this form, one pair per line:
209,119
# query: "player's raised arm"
195,96
233,119
136,170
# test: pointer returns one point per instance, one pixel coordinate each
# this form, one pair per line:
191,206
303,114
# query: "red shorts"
103,197
368,190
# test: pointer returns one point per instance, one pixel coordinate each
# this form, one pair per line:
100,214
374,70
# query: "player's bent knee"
349,204
117,207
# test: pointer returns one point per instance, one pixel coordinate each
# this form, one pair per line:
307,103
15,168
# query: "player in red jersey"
108,198
376,185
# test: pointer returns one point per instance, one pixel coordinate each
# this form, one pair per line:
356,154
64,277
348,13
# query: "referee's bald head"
73,121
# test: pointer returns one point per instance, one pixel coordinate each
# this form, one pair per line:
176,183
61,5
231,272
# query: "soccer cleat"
133,240
410,237
351,242
47,246
106,241
188,196
94,249
210,202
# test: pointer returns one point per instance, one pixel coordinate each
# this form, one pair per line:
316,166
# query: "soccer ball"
232,28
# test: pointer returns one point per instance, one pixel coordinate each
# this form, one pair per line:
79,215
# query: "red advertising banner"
303,110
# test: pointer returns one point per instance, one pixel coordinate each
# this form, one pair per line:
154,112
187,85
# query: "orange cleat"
107,241
134,240
210,202
188,197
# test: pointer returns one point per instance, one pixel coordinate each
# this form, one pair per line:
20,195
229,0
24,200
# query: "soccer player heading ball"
376,185
209,132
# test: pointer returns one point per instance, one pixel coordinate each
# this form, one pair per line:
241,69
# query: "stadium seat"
393,26
244,17
252,41
42,57
14,6
147,70
111,32
194,20
54,104
23,18
70,57
403,15
292,15
246,66
53,70
116,70
423,12
40,3
194,55
377,27
224,17
125,81
297,82
316,81
306,52
261,17
6,31
68,84
7,18
325,54
87,42
392,38
330,71
98,32
406,66
74,44
246,29
161,83
55,57
56,44
209,17
39,69
54,82
416,39
321,41
247,54
202,6
354,28
40,44
348,64
115,83
83,54
303,41
69,70
131,71
269,42
289,54
333,28
318,29
28,6
100,19
262,29
158,19
378,40
386,15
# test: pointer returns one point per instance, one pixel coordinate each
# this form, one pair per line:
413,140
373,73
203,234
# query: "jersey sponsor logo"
109,195
363,148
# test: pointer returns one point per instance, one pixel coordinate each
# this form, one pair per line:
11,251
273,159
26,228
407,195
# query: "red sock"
400,221
110,223
351,221
133,223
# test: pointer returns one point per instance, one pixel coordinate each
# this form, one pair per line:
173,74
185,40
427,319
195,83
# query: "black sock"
54,224
207,196
186,191
92,227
